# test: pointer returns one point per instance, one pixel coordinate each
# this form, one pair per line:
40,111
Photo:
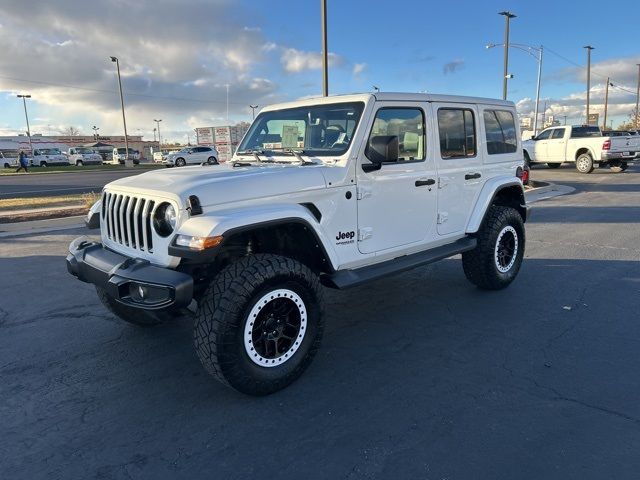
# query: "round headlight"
165,219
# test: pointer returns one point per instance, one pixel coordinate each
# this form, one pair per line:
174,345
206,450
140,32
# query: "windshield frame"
359,107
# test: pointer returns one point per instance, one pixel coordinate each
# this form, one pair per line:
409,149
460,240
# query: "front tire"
180,162
130,315
584,163
260,323
79,163
497,258
212,161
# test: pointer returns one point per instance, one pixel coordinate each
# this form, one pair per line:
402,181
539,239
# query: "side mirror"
381,149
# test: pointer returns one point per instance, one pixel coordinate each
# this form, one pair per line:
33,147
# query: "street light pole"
535,120
638,99
154,134
325,54
606,103
253,111
95,132
507,17
124,120
26,116
159,136
589,48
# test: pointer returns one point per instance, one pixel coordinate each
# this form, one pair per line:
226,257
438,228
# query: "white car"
192,156
44,157
337,191
119,156
80,156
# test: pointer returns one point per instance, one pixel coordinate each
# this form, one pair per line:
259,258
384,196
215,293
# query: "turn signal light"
198,243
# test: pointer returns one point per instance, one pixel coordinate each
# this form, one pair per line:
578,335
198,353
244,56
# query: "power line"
113,92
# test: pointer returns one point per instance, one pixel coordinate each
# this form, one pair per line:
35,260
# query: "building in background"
225,139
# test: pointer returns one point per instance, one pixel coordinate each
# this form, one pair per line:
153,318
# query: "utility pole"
325,54
227,85
606,103
507,17
253,111
638,100
124,120
159,137
589,48
26,116
154,134
535,120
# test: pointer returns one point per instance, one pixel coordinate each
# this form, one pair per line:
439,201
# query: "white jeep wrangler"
333,191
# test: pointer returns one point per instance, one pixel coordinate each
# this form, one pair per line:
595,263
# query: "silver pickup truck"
583,145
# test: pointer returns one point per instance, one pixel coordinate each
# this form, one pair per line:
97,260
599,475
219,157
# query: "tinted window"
500,132
544,135
457,133
582,132
405,123
558,133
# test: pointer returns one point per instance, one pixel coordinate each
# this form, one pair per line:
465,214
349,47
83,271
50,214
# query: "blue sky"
178,56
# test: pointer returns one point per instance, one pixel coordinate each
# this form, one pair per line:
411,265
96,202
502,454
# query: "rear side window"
583,132
457,130
500,131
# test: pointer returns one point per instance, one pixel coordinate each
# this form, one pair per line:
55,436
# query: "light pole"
638,99
154,134
253,111
325,54
528,49
159,137
124,120
606,102
95,132
26,116
507,18
227,85
589,48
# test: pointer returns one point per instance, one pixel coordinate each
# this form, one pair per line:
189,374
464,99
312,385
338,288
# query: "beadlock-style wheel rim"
506,250
275,328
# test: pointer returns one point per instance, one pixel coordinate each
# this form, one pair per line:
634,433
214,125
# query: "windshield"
124,150
84,150
316,129
50,151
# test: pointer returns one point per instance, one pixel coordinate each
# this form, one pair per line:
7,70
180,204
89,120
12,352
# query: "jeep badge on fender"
248,243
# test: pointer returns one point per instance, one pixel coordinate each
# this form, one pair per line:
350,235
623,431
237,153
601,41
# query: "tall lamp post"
124,120
253,111
95,132
529,49
325,54
638,100
507,18
26,116
159,137
589,48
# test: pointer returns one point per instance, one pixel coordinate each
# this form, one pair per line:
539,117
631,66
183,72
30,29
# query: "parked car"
192,156
583,145
9,158
45,157
350,189
79,156
120,154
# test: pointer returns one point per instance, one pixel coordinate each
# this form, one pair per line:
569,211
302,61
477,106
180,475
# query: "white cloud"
358,68
296,61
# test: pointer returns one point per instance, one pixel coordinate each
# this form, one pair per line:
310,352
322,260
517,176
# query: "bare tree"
71,131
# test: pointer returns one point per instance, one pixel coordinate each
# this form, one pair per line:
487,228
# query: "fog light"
149,294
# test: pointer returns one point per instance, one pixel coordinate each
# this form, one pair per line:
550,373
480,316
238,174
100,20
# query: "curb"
41,226
548,190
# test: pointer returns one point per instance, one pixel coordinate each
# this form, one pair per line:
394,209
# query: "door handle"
472,176
428,182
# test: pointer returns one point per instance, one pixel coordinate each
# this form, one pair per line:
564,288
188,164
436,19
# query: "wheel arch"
504,192
583,150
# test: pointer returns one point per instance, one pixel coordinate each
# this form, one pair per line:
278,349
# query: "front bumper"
132,281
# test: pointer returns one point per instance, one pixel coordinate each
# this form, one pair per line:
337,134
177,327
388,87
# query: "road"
420,375
40,185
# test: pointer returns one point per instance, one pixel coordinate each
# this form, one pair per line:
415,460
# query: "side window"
404,124
500,131
544,135
558,133
457,130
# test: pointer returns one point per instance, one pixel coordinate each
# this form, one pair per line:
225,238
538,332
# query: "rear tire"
554,165
131,315
496,260
43,164
79,163
252,350
584,163
212,161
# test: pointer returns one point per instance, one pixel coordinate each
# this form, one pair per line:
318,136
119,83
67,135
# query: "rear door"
556,145
459,164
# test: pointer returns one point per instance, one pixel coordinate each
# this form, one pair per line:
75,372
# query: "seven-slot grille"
127,219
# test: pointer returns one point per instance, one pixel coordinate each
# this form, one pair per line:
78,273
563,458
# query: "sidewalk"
41,226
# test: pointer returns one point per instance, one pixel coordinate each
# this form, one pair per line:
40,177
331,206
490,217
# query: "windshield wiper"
298,155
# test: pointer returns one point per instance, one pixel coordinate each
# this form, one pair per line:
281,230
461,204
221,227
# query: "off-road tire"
223,317
180,162
554,165
131,315
481,264
584,163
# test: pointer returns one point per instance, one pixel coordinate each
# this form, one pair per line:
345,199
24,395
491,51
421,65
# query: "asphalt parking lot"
420,375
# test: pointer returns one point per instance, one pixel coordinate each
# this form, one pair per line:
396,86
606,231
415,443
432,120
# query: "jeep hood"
218,184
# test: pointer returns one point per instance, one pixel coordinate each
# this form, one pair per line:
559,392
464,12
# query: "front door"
541,145
397,203
459,165
556,145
